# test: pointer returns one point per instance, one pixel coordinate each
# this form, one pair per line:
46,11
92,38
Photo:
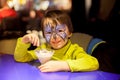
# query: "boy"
57,30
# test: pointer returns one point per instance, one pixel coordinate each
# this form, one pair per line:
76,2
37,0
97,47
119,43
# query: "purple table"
11,70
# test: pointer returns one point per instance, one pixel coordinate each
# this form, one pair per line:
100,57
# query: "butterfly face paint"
59,30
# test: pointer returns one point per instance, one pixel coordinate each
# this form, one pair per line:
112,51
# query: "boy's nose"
54,36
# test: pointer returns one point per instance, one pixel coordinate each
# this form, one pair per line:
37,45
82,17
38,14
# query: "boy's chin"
57,47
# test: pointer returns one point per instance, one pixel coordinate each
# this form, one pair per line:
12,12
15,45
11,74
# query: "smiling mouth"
56,42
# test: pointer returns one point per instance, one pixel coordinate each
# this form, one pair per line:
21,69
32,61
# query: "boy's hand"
31,38
53,66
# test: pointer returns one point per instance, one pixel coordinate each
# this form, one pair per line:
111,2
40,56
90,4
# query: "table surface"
11,70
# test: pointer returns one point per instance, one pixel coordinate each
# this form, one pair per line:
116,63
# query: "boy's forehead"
51,22
48,21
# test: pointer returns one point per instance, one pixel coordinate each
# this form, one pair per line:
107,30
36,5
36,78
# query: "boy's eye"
60,30
48,32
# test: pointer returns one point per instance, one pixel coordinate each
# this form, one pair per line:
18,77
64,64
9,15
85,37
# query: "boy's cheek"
47,38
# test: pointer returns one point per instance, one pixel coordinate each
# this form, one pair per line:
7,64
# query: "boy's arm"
82,61
21,53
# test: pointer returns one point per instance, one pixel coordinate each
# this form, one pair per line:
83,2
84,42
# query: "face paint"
48,31
58,30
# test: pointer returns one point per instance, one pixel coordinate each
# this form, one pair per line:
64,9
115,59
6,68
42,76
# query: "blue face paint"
58,30
48,31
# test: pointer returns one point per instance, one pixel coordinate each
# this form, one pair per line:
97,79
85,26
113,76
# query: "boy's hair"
60,16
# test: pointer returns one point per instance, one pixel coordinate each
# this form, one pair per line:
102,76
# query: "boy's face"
56,35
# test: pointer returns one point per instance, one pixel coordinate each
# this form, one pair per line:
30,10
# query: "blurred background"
100,18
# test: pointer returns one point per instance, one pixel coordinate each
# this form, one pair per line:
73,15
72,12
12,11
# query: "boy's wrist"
65,66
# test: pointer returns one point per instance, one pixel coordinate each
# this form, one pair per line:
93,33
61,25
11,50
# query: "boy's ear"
69,35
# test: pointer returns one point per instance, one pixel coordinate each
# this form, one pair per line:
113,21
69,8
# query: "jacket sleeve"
22,54
81,60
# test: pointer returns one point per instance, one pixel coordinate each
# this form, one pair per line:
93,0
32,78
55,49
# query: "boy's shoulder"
76,46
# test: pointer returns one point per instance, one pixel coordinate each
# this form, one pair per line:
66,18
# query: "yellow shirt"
76,57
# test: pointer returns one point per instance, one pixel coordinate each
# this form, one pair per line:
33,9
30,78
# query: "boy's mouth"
56,42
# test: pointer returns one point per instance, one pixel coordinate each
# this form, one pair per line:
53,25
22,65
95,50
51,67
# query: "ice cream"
44,55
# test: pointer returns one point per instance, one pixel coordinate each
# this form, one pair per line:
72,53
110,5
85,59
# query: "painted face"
56,36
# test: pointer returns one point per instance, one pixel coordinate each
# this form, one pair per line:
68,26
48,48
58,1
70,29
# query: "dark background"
101,24
101,27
